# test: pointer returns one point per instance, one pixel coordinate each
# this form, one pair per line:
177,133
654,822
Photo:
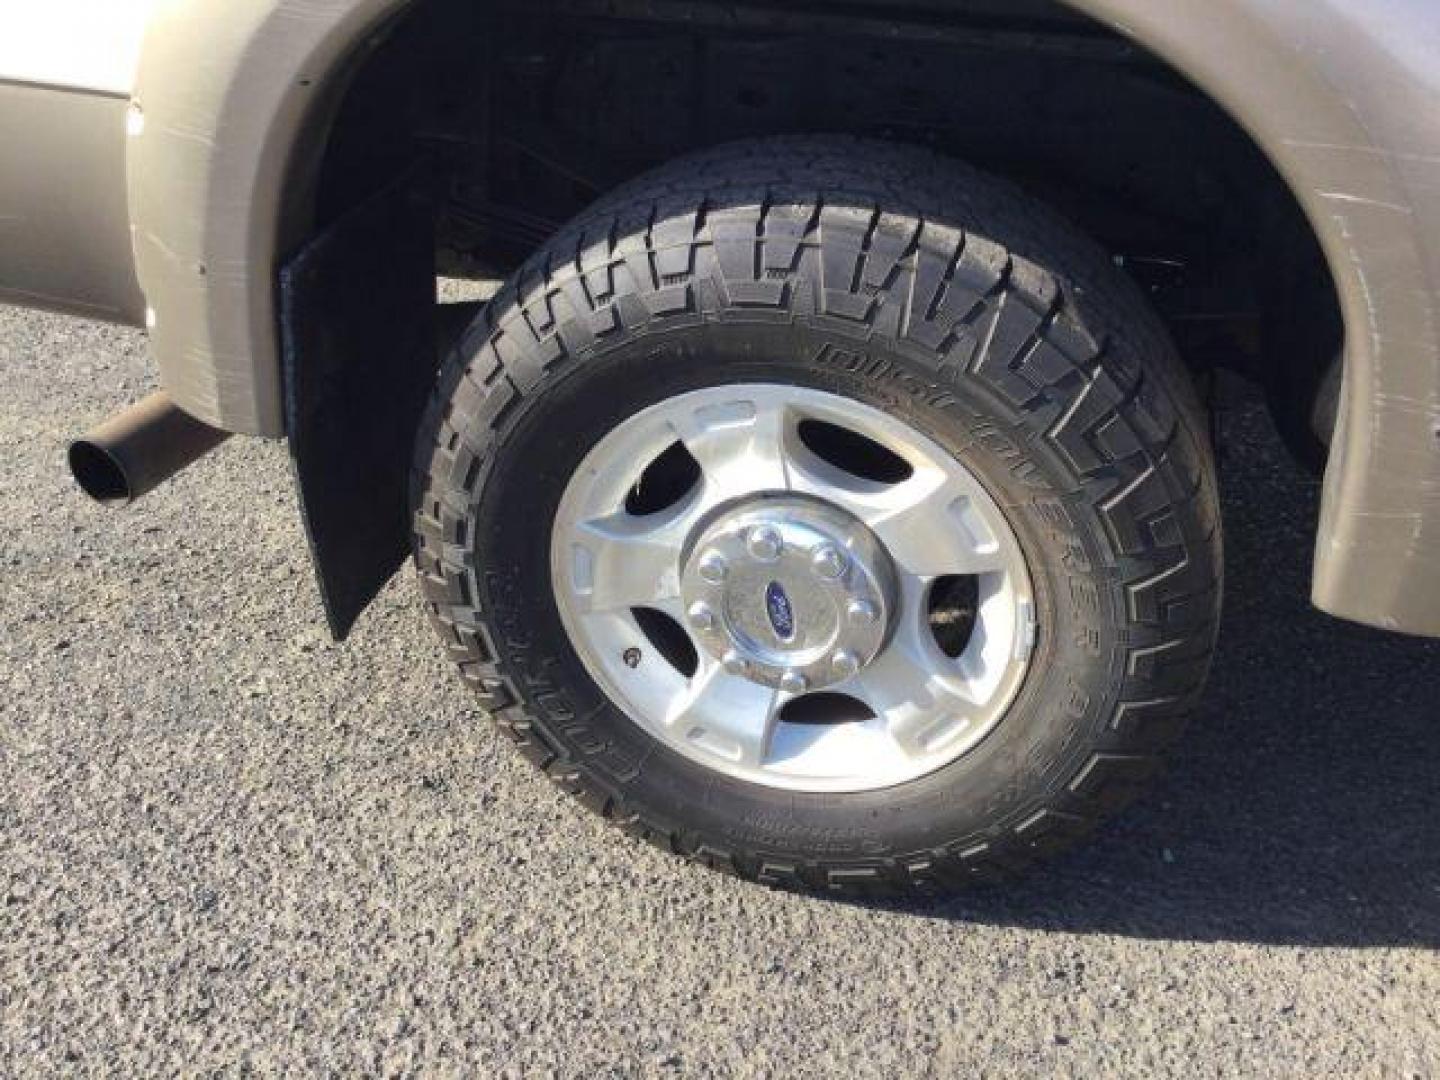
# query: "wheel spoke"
741,445
930,523
628,562
919,697
727,715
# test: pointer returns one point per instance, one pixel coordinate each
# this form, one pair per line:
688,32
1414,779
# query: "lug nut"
862,613
701,617
712,567
829,562
845,664
792,682
736,664
765,543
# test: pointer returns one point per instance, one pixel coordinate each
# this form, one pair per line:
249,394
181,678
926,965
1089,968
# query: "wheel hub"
789,592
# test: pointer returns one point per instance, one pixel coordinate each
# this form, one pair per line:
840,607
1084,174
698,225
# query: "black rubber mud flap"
360,357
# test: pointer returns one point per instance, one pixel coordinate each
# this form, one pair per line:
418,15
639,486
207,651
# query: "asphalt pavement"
229,844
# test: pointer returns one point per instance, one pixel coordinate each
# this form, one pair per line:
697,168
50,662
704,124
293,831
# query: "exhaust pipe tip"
99,474
142,447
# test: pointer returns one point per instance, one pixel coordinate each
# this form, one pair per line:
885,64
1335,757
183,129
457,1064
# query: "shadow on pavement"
1303,806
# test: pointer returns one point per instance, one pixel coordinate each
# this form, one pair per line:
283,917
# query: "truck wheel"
828,512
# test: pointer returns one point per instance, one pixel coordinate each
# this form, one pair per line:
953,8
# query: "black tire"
909,282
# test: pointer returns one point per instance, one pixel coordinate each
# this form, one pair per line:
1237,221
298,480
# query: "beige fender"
1343,98
233,94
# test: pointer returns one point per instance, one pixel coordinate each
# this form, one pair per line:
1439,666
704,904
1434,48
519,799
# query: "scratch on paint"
1360,200
1376,151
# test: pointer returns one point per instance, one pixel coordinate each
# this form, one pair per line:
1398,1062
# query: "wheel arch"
222,184
1342,105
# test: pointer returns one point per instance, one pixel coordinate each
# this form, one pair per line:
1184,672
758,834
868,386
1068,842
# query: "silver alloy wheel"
793,577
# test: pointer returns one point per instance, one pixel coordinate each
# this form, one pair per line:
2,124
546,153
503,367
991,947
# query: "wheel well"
530,111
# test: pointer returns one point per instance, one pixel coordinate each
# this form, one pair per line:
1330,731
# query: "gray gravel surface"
226,842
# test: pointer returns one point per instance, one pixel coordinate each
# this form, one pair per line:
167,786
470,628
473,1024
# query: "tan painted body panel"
64,220
228,88
89,45
1345,98
66,69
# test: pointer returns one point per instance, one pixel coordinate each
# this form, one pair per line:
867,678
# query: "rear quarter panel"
66,71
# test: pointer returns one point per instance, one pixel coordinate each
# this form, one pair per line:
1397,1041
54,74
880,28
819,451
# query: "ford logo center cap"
780,611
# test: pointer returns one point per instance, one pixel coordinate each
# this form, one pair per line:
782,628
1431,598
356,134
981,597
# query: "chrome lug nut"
829,562
862,613
844,664
713,567
701,617
792,682
736,664
765,543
